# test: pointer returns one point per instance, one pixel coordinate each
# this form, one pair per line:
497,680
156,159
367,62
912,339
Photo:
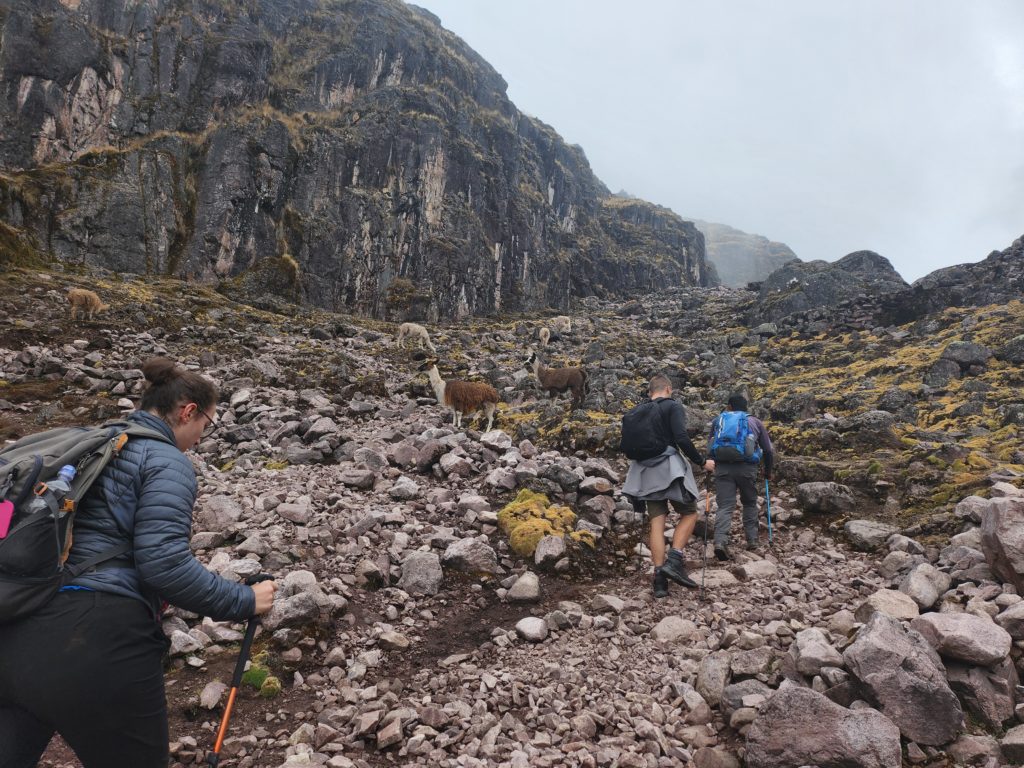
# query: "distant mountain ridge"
739,257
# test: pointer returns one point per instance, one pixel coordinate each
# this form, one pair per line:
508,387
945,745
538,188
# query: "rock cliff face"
352,154
739,257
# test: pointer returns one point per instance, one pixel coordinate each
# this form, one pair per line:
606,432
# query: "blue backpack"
733,442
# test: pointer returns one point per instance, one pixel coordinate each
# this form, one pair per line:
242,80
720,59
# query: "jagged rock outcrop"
996,279
802,286
356,156
739,257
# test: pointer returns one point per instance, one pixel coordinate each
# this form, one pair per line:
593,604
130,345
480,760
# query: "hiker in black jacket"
89,663
668,479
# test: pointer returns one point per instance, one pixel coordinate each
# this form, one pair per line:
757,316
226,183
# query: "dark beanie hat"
738,403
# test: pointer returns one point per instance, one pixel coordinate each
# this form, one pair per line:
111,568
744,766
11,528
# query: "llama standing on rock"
414,330
463,397
560,325
85,301
558,380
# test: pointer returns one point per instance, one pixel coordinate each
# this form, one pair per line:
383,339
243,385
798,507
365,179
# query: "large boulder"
965,637
824,497
868,535
799,727
903,675
1002,539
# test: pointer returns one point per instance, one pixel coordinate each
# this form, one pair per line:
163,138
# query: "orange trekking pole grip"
243,656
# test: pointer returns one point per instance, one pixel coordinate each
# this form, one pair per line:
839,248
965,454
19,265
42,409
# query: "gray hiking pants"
728,479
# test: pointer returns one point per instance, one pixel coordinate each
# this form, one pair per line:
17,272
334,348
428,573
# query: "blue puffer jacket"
145,495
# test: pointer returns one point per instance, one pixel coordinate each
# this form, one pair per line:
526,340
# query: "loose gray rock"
470,556
812,650
215,513
212,692
421,573
526,589
713,676
672,629
925,584
745,693
887,601
532,629
550,550
404,489
1012,620
868,535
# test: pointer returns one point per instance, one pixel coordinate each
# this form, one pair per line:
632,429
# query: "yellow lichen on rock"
531,517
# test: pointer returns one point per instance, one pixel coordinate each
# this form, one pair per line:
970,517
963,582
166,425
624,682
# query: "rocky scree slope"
407,630
352,155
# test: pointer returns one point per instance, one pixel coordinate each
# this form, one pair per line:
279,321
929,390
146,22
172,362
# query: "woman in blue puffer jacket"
89,665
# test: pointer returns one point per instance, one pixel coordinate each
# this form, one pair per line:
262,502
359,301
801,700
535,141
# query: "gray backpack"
35,543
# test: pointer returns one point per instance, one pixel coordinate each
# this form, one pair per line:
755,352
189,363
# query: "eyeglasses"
209,428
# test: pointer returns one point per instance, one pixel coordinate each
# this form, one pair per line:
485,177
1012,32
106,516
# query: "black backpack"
641,436
35,546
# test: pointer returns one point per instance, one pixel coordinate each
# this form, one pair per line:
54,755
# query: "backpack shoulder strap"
91,466
667,423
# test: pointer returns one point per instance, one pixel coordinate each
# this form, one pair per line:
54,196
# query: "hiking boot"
675,569
660,583
722,552
753,546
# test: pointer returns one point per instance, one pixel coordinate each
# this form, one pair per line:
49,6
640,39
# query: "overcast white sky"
830,125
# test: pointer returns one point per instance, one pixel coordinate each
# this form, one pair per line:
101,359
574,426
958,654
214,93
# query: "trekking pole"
707,513
243,656
768,506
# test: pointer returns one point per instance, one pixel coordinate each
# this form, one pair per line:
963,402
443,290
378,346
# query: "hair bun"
160,370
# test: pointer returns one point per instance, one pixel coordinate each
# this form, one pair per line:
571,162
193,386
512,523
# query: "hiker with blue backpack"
655,440
81,645
738,443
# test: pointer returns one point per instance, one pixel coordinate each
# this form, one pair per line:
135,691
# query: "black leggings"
89,666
